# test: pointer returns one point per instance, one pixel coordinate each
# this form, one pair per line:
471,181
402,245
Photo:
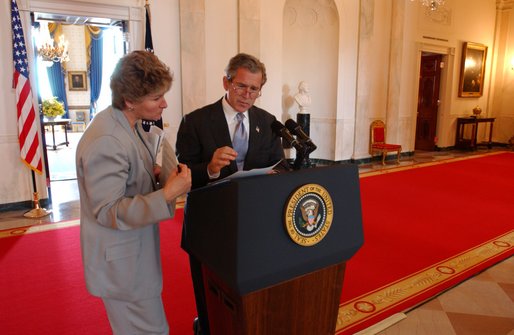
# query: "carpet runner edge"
47,226
371,304
427,164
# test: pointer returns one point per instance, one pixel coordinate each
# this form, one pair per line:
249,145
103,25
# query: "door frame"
130,11
440,64
444,119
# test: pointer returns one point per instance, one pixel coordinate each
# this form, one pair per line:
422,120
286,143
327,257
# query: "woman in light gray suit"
121,200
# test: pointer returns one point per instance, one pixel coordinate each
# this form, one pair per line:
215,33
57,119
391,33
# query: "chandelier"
51,52
431,4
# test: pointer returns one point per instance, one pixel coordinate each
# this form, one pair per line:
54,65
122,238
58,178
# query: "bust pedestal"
304,120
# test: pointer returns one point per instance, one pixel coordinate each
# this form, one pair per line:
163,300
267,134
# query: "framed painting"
472,70
77,80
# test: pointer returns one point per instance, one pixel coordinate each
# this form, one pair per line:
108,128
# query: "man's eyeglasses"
242,90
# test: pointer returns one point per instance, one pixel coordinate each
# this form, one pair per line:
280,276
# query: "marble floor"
482,305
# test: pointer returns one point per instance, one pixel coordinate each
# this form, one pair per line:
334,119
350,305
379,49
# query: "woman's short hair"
136,75
248,62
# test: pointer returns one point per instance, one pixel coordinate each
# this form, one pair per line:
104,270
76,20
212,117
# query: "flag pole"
27,126
37,211
149,47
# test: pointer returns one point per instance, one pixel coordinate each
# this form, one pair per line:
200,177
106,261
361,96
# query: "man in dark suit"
206,141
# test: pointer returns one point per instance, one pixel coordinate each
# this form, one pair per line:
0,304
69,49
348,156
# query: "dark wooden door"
428,102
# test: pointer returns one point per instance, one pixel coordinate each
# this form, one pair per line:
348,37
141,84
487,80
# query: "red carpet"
43,290
425,229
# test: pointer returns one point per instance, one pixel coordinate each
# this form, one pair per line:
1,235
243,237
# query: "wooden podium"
257,278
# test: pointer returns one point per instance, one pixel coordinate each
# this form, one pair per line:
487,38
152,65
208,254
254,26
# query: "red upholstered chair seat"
385,146
377,142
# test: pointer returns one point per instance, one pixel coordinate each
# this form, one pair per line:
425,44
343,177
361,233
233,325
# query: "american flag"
27,122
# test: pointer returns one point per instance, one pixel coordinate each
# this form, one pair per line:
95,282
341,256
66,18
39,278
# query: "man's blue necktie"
240,141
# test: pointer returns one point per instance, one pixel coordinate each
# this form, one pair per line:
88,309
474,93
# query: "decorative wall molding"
116,9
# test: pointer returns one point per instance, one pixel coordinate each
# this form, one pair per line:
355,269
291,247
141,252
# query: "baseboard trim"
23,205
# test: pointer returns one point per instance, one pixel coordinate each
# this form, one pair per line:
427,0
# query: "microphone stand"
300,157
301,161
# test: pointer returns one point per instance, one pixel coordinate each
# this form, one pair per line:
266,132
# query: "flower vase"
476,111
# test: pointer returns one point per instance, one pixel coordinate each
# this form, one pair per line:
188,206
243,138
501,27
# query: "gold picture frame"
77,80
472,70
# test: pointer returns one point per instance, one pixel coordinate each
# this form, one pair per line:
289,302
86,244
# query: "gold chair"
377,142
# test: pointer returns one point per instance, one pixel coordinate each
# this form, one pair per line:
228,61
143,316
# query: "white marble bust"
302,98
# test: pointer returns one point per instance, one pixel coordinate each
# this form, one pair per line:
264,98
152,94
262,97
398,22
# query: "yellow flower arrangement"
52,107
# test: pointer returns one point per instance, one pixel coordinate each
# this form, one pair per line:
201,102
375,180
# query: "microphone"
280,130
296,129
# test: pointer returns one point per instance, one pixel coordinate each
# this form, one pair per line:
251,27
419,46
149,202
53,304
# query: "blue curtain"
56,79
36,25
95,69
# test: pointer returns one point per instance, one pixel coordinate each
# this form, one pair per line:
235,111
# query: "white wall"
165,23
502,89
78,62
373,69
380,44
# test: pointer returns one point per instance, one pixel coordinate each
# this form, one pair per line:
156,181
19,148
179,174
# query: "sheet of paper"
156,135
249,173
169,160
253,172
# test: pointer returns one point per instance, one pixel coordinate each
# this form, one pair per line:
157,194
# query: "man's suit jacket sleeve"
203,131
189,150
